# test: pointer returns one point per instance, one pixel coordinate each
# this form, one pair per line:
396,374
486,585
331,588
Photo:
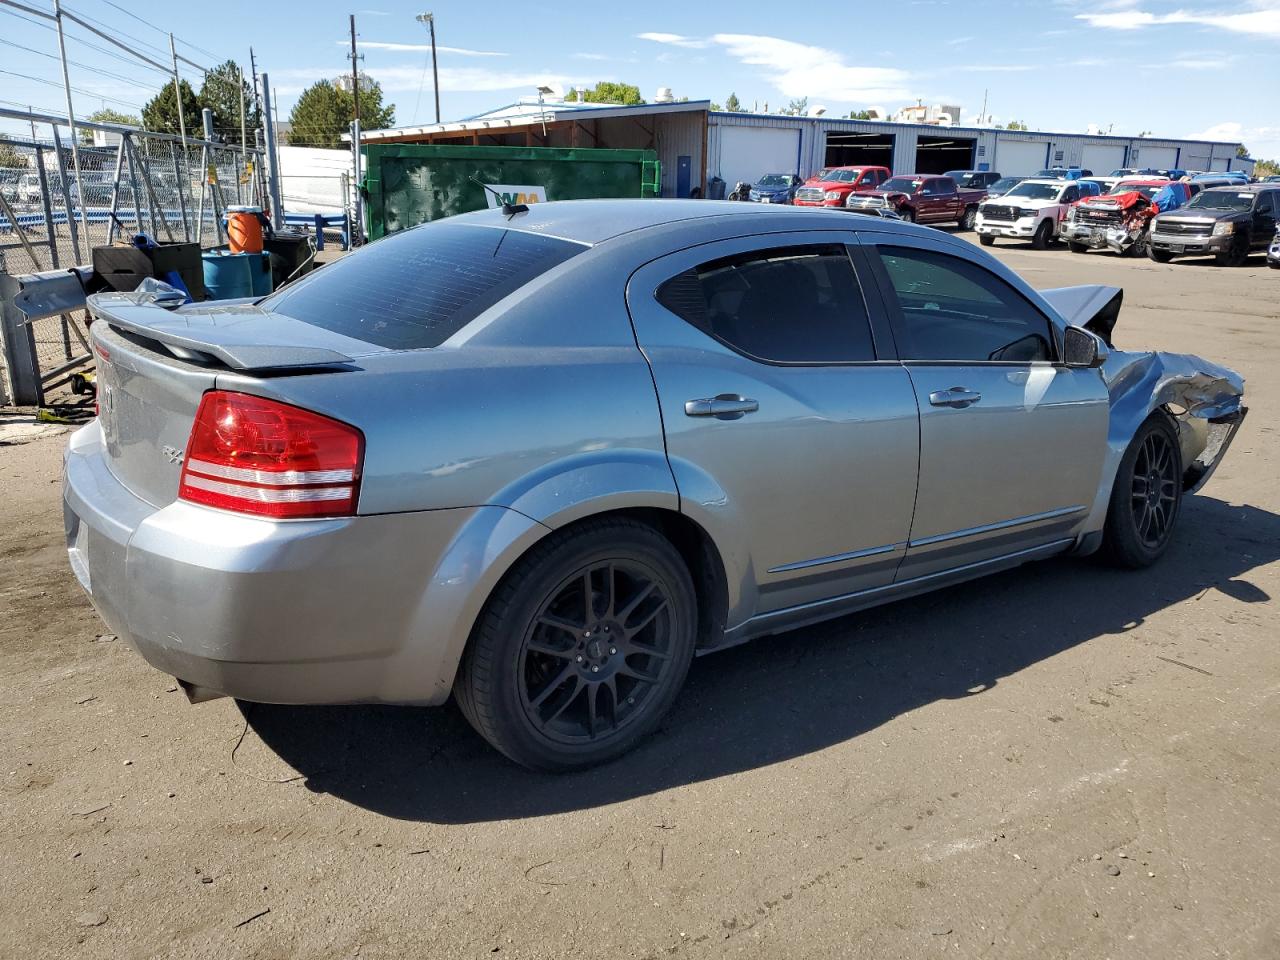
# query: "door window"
951,309
799,304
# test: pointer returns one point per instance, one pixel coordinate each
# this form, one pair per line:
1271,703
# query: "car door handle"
725,406
958,397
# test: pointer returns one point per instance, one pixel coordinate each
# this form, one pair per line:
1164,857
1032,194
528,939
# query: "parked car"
921,198
973,179
775,188
1030,211
1273,252
832,186
1121,220
1274,178
1228,222
1063,173
1003,186
561,519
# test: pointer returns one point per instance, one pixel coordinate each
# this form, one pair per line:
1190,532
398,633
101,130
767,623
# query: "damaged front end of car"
1120,223
1202,399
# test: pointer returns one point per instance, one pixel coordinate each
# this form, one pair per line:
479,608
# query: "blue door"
684,167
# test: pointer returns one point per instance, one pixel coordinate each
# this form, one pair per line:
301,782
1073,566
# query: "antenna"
509,209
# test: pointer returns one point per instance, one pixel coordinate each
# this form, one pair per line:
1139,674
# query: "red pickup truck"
832,186
921,198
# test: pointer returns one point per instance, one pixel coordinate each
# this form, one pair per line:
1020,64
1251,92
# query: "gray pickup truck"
1228,223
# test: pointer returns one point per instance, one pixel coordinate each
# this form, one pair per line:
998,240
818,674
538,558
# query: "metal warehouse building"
744,146
693,143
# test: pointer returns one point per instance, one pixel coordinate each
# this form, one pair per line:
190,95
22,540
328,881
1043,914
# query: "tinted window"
788,304
952,309
418,288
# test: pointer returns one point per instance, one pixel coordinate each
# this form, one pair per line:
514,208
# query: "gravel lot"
1061,761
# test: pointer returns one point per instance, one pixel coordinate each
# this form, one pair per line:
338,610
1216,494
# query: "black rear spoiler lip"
242,357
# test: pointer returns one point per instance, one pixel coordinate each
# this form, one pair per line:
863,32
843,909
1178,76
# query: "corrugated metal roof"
550,112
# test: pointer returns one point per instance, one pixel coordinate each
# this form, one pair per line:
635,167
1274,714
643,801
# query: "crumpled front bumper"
1116,239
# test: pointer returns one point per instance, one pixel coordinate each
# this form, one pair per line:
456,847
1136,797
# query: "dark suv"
1228,222
973,179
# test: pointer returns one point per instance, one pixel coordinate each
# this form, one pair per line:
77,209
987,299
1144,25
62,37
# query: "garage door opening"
940,154
853,149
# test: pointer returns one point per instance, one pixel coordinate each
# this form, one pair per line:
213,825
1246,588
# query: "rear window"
418,288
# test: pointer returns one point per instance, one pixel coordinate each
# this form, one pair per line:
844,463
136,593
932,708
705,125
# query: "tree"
607,91
860,115
324,113
715,107
9,157
107,115
319,118
796,108
373,115
732,105
220,92
1266,168
160,113
1013,125
1242,151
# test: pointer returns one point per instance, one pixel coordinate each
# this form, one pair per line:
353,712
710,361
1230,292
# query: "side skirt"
791,618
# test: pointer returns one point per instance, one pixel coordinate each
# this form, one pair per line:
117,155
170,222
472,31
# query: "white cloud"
801,70
458,51
410,78
1263,142
1263,19
673,39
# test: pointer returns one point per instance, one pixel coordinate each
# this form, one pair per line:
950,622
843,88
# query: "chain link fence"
130,182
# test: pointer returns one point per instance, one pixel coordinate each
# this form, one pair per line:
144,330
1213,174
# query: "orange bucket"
244,229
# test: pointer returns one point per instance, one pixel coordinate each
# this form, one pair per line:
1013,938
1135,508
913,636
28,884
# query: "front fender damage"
1203,398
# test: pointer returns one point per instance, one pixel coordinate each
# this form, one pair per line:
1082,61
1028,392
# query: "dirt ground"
1061,761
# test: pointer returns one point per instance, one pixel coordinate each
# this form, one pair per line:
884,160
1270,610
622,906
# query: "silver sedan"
540,459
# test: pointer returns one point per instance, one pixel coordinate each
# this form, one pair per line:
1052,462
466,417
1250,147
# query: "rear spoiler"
1092,306
236,334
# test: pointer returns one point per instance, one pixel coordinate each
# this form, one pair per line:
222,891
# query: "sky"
1177,68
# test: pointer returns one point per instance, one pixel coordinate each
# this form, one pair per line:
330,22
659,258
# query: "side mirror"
1083,349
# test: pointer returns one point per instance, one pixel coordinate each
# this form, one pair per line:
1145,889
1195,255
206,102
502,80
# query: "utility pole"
273,160
430,20
75,138
355,75
983,115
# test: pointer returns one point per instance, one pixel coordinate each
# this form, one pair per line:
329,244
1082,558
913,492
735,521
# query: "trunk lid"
155,364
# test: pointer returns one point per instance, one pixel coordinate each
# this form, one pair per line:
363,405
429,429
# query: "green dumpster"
410,183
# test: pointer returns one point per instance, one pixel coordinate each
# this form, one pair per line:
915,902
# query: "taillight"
259,456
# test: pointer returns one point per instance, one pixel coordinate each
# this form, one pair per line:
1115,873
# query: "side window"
952,309
1266,203
1070,195
798,304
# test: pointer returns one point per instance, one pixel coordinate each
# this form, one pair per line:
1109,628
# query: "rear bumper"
360,609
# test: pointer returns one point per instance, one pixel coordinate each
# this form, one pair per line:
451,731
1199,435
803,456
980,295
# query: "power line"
88,93
147,23
98,70
106,26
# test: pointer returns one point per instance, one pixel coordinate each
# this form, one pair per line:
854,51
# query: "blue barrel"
228,276
260,267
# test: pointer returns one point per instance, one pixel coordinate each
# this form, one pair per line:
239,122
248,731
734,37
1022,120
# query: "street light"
430,20
543,91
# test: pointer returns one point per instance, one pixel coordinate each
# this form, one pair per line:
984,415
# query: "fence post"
127,142
273,159
182,201
19,346
49,226
66,195
115,194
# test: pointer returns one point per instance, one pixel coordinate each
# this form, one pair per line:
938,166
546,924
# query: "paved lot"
1061,761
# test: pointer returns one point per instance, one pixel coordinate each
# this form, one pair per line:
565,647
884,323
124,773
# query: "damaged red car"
1121,220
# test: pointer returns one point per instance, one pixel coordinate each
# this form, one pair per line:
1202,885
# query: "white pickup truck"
1030,211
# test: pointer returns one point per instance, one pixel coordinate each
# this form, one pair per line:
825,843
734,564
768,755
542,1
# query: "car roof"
1049,181
1241,188
595,221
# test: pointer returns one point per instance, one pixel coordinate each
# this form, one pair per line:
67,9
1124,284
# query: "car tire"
969,218
1159,256
582,648
1077,247
1274,264
907,214
986,240
1146,498
1238,255
1043,235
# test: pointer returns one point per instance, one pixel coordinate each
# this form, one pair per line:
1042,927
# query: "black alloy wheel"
583,646
1146,497
596,651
